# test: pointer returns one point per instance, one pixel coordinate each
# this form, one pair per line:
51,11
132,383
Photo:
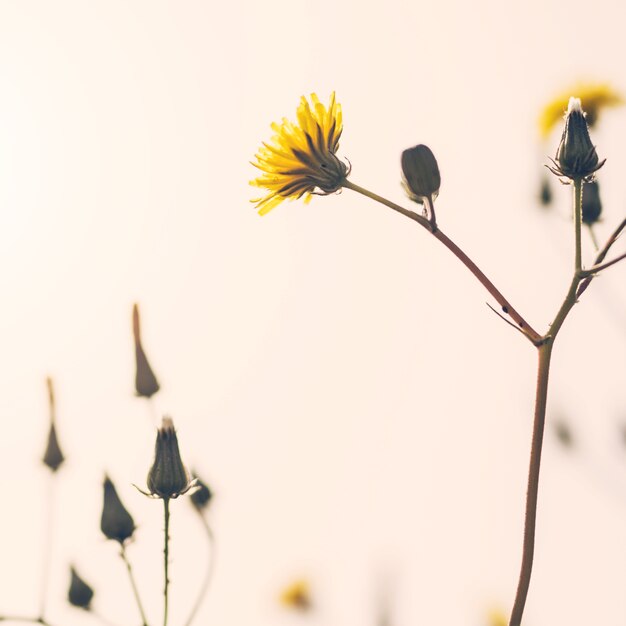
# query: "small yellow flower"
300,159
297,595
594,98
497,618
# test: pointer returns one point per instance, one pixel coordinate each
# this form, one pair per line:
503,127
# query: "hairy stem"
133,584
166,556
209,570
507,307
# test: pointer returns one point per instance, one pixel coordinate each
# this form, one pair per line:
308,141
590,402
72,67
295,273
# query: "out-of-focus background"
334,373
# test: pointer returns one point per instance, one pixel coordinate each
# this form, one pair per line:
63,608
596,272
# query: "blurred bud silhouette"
592,206
168,477
53,457
146,384
116,522
563,433
202,496
80,593
420,172
545,192
576,157
297,596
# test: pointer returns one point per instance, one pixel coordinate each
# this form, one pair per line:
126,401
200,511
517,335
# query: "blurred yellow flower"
297,595
594,98
300,159
497,618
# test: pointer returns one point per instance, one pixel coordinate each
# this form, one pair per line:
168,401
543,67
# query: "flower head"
300,159
146,383
594,96
420,173
116,522
576,156
168,477
80,593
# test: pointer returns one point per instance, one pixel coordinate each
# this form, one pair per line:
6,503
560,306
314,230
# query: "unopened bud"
420,172
146,384
168,477
202,496
592,206
576,157
116,522
80,593
53,457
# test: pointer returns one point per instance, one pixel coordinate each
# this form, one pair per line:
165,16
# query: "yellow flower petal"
594,98
300,159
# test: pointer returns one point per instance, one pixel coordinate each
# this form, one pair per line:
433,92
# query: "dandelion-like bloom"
594,97
300,160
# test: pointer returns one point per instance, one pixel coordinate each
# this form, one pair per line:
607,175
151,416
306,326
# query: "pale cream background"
362,416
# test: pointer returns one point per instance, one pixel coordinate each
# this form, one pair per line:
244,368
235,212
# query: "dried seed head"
116,522
80,593
168,477
146,384
421,178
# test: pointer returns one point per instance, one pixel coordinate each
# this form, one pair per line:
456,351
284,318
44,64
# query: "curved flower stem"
543,371
507,307
133,584
209,571
166,556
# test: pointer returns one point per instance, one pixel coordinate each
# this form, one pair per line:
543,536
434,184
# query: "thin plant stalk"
48,537
133,584
209,570
507,307
166,556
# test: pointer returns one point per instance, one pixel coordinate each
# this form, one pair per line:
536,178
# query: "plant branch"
598,268
602,255
133,584
21,618
209,570
47,542
507,307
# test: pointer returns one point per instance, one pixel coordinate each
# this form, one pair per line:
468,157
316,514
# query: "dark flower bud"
545,192
80,593
168,477
116,522
202,496
420,173
592,206
53,457
146,384
576,156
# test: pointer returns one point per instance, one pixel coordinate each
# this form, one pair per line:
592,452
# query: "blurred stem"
543,371
48,537
133,584
20,618
209,570
166,556
592,234
507,307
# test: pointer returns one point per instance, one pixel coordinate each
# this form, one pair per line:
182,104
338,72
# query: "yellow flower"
594,98
300,159
297,595
497,618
